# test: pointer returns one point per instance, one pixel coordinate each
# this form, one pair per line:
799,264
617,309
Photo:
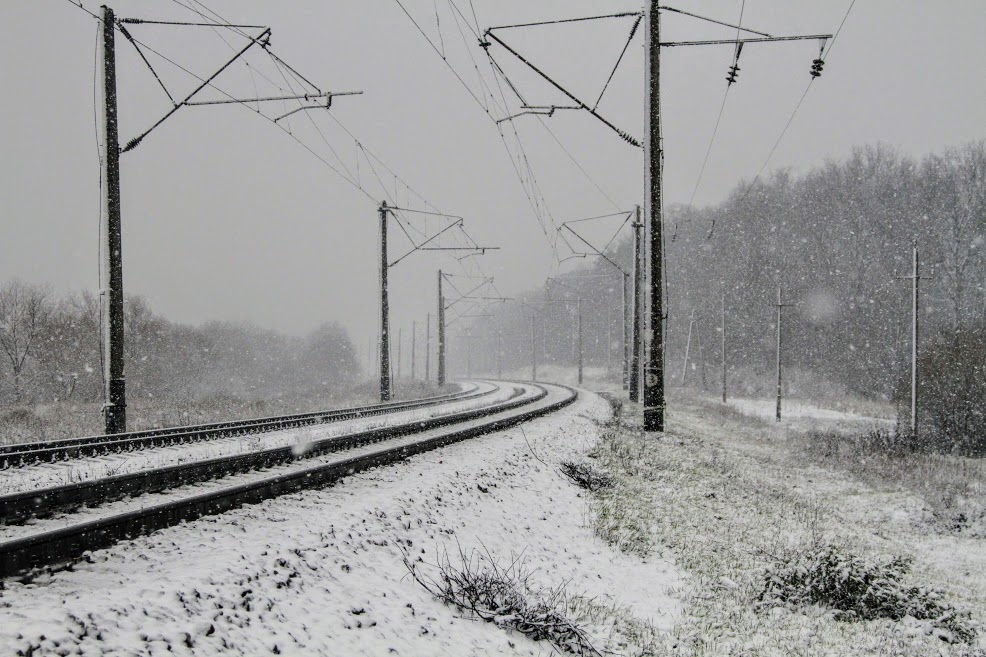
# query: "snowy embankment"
733,498
322,572
62,473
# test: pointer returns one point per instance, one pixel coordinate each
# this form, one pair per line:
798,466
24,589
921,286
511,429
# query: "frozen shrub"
504,596
587,476
859,589
952,394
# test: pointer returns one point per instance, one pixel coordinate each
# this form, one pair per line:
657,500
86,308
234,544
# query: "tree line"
836,239
51,352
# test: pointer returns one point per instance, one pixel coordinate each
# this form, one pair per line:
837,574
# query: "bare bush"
860,589
587,476
952,394
504,596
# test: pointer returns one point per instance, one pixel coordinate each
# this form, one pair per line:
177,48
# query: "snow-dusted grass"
953,488
70,419
730,499
321,572
805,415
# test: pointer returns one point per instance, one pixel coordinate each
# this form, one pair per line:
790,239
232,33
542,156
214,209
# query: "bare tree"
24,313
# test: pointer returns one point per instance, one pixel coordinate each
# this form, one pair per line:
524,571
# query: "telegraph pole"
915,379
688,346
654,157
441,332
780,307
534,353
581,355
638,284
400,341
414,346
499,351
723,336
916,277
384,309
114,391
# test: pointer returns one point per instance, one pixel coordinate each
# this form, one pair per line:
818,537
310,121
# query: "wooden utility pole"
654,158
400,341
688,346
414,347
780,307
722,330
609,345
441,332
916,278
638,284
534,353
114,383
915,378
499,351
701,358
384,309
428,347
581,353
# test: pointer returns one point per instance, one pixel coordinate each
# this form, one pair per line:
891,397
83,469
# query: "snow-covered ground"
321,572
61,473
804,415
718,498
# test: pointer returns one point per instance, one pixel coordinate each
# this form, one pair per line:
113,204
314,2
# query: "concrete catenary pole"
441,332
722,330
654,401
414,348
114,383
384,309
627,327
638,284
428,347
916,277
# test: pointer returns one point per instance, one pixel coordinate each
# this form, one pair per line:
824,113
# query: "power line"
722,107
798,106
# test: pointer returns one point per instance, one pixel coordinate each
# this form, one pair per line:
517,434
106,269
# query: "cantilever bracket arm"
329,95
625,136
260,40
421,247
468,295
595,251
721,42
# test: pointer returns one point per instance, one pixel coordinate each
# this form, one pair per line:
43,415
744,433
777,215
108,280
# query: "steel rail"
59,450
51,548
18,507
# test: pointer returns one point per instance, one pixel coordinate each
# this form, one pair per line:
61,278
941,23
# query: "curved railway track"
166,498
21,454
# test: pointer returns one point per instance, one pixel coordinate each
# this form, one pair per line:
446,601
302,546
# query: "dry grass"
66,419
728,497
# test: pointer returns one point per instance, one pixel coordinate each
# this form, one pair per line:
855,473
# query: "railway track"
166,498
21,454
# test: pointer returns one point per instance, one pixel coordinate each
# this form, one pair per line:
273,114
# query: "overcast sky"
227,217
